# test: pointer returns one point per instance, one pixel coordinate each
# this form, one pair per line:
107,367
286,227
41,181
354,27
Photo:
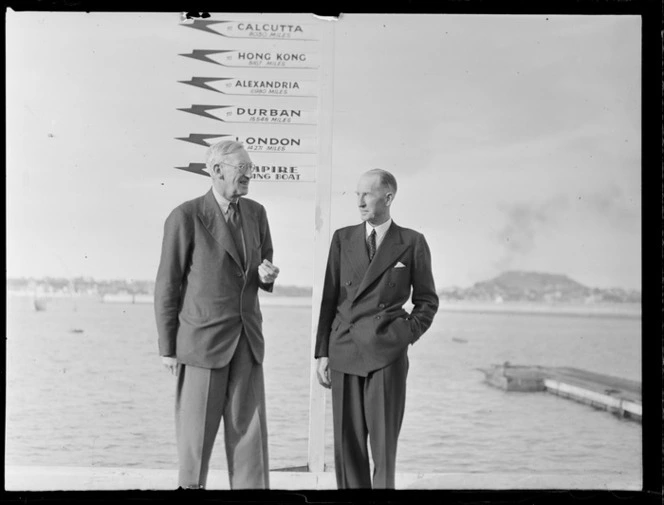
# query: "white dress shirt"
381,230
224,203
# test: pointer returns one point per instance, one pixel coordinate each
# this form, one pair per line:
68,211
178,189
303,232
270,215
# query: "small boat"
76,330
39,304
459,340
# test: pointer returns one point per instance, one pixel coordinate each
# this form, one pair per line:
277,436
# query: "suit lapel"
356,251
211,217
388,252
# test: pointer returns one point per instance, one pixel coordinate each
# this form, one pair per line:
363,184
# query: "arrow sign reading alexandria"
256,59
255,30
253,114
255,87
260,144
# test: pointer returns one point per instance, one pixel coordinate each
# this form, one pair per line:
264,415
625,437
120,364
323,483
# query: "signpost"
267,83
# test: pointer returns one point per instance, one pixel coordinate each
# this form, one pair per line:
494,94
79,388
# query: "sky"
515,141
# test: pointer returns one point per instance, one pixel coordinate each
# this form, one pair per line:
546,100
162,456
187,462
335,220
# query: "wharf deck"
614,394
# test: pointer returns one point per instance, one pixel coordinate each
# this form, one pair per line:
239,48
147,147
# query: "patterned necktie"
371,244
236,228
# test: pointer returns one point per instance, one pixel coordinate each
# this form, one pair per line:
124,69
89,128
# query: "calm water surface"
100,397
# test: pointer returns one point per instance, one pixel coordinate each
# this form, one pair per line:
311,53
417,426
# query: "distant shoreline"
617,310
620,310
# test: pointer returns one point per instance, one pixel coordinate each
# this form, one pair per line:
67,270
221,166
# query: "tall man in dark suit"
216,253
364,331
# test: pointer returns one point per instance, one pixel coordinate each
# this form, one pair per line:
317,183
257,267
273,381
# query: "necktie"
371,244
236,228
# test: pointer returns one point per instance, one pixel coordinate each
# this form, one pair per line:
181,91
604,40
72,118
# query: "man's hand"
323,373
267,272
170,363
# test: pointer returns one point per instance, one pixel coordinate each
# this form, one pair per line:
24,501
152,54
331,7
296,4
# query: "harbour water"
85,387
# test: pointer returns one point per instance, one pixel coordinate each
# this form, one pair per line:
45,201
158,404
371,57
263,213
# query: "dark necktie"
371,244
236,228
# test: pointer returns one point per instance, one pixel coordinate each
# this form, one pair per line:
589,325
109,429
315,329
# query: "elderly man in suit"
364,331
216,253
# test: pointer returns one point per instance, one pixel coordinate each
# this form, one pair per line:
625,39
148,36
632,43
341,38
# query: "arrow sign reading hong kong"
255,59
264,144
252,114
266,172
263,87
254,30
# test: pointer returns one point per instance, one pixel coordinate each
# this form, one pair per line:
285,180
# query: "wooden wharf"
613,394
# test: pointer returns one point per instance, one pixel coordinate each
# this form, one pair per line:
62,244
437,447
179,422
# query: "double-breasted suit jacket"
363,325
204,295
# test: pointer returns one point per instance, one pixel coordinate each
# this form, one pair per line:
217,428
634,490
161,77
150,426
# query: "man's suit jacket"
362,325
203,296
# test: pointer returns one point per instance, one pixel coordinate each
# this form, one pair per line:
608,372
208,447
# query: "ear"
389,198
217,172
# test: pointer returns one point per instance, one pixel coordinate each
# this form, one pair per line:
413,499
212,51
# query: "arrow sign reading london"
266,172
263,144
252,114
254,30
256,59
261,87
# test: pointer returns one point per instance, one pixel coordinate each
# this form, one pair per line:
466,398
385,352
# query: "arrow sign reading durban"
256,59
252,114
261,87
265,172
259,144
254,30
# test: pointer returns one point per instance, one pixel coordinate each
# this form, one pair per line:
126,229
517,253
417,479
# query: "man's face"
373,200
231,176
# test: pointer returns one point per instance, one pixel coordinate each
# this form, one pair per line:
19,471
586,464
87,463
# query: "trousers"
373,407
235,393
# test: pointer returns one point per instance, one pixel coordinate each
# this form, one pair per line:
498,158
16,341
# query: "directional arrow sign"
254,30
256,87
253,114
267,172
256,59
260,144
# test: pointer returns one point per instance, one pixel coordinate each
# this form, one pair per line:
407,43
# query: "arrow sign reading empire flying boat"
253,114
266,172
260,144
260,87
255,30
256,59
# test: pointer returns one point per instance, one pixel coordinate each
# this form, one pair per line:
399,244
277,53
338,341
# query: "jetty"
621,397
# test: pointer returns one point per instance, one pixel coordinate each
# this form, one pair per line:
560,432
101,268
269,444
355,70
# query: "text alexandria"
267,84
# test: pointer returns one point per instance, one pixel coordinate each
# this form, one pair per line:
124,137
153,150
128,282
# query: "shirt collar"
381,229
222,201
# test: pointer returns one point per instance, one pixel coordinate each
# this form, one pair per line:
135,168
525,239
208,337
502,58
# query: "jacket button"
377,317
391,284
381,306
239,274
348,283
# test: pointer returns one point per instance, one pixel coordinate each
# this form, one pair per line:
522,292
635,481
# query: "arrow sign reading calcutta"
264,87
254,30
265,172
255,59
259,144
252,114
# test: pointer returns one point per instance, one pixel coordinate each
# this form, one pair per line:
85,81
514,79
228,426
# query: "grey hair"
217,152
387,180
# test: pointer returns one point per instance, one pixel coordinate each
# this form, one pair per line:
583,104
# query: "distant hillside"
538,287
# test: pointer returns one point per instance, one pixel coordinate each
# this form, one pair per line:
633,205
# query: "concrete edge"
52,478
